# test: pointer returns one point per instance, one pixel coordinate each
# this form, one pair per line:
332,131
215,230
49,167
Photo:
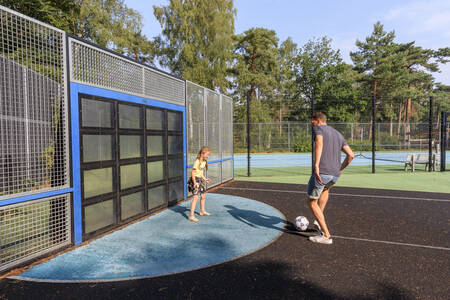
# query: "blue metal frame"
77,88
215,162
35,196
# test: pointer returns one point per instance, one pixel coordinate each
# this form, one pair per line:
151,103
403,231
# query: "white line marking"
338,194
392,243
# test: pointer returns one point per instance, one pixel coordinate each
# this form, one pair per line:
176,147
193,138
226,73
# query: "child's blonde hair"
202,150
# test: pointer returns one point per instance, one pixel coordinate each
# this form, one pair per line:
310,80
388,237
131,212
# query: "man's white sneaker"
321,239
317,225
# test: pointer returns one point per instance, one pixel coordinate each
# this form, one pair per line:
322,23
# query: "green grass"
386,177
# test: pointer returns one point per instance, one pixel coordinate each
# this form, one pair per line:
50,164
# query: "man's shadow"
255,219
290,228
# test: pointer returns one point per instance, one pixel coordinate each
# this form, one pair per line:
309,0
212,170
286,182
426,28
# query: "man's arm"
317,155
348,158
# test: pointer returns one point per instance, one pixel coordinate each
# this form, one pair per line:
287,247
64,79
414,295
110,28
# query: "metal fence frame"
206,125
63,101
28,233
144,84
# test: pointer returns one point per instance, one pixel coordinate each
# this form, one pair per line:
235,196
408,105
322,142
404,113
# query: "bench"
413,159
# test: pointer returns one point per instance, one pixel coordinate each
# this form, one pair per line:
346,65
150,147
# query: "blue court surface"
304,159
168,243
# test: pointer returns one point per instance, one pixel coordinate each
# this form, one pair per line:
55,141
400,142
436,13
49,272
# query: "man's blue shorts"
315,188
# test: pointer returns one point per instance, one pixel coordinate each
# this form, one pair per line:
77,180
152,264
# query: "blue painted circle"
168,243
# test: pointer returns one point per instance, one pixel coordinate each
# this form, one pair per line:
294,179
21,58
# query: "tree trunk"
407,118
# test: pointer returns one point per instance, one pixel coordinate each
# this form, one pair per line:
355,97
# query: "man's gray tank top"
333,142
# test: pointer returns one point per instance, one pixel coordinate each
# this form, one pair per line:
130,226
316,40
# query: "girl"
197,182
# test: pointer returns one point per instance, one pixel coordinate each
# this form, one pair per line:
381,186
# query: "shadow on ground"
254,218
257,280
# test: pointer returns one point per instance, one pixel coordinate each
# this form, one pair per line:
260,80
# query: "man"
327,168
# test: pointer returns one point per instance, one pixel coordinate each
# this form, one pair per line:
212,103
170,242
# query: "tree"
255,68
286,88
109,23
321,74
197,39
54,12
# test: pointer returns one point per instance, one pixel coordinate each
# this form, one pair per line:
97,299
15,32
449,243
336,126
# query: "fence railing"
296,136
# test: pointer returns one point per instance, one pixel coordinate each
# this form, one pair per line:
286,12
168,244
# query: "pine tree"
197,39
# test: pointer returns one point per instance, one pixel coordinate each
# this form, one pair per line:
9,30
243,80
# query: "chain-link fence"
209,121
285,147
34,147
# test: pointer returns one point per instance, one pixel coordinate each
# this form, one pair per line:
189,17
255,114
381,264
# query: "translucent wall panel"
154,145
96,113
174,121
130,176
156,196
195,122
176,191
97,182
129,117
98,215
97,147
155,171
176,167
213,125
131,205
155,119
175,144
130,146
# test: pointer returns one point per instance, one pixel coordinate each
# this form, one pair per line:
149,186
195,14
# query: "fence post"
259,137
312,135
351,134
430,135
373,133
248,134
443,140
289,136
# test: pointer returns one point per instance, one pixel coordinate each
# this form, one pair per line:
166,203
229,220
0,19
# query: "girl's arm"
193,177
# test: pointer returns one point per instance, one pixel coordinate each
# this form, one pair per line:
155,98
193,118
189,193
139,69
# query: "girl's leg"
202,206
193,204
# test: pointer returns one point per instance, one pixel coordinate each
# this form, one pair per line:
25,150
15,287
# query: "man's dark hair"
319,116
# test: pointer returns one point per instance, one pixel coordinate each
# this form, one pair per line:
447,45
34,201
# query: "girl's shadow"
184,211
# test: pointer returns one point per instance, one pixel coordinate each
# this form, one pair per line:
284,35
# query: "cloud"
422,16
444,75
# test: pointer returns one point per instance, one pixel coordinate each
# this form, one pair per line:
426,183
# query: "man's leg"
318,213
323,199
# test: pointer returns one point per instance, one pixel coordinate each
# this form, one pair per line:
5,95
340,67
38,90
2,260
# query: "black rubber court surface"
387,245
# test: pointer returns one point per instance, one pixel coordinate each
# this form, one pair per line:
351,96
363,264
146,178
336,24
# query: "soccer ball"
301,223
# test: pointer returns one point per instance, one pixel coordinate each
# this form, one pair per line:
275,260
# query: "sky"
344,21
